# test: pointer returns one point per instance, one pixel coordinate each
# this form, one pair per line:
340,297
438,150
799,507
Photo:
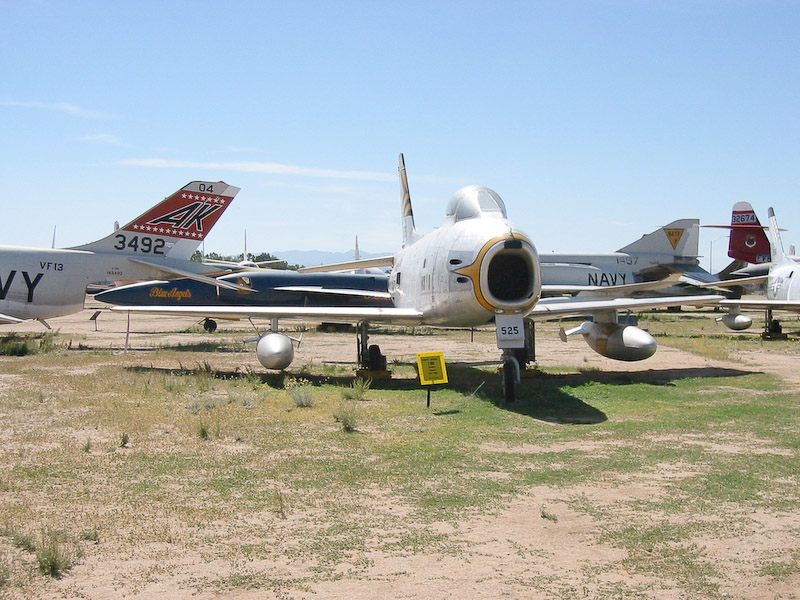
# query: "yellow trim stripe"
473,271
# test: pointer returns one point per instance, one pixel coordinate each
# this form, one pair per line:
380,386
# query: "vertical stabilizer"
748,242
410,234
779,256
680,238
174,227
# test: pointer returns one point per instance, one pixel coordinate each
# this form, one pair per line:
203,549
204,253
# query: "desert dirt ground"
511,552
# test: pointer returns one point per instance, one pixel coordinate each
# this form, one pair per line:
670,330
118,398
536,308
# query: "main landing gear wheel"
510,369
210,325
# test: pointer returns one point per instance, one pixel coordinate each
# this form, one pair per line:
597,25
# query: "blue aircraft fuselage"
269,288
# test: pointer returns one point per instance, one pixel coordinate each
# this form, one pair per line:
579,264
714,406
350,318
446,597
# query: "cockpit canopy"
475,201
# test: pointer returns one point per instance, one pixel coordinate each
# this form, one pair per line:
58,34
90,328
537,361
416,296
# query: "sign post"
432,370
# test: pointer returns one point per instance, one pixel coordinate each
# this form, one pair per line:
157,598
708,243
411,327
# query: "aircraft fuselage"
605,269
464,273
41,283
782,283
270,288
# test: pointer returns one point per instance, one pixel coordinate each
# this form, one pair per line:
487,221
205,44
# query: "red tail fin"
188,213
748,241
174,227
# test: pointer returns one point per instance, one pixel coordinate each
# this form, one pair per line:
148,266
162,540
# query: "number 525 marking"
512,330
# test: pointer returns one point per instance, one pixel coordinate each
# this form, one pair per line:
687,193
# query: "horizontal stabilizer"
172,272
244,264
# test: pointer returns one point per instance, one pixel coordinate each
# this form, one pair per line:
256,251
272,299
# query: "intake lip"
505,274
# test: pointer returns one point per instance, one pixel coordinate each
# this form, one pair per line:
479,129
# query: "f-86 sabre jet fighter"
477,267
41,283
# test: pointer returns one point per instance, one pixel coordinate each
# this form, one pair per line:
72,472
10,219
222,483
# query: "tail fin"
410,234
748,242
778,253
174,227
680,238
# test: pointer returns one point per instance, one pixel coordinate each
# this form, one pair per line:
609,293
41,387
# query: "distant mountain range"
312,258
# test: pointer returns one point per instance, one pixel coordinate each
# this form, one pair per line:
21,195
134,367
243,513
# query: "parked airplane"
268,288
476,268
783,290
669,249
41,283
750,247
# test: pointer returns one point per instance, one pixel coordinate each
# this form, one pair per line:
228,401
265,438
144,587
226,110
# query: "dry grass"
624,485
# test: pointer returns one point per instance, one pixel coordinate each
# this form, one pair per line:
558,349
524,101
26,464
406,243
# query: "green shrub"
357,390
55,555
300,391
347,415
14,344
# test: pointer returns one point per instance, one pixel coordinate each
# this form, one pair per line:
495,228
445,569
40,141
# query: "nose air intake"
510,275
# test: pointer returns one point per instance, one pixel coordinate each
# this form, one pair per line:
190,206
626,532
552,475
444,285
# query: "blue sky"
596,122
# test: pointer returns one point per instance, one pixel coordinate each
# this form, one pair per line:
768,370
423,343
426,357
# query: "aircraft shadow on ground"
207,346
542,397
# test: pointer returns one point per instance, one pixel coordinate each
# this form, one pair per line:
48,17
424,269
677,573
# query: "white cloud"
70,109
260,167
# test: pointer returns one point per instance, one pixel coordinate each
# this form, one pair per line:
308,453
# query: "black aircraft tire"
210,325
509,391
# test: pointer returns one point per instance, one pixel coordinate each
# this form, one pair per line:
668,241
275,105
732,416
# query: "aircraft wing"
245,264
764,304
726,283
173,272
554,308
8,320
403,316
318,289
353,265
614,290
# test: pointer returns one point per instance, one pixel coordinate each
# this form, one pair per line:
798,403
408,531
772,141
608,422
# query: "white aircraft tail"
174,227
779,255
410,234
680,238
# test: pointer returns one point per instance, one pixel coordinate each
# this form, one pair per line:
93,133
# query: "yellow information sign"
431,368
